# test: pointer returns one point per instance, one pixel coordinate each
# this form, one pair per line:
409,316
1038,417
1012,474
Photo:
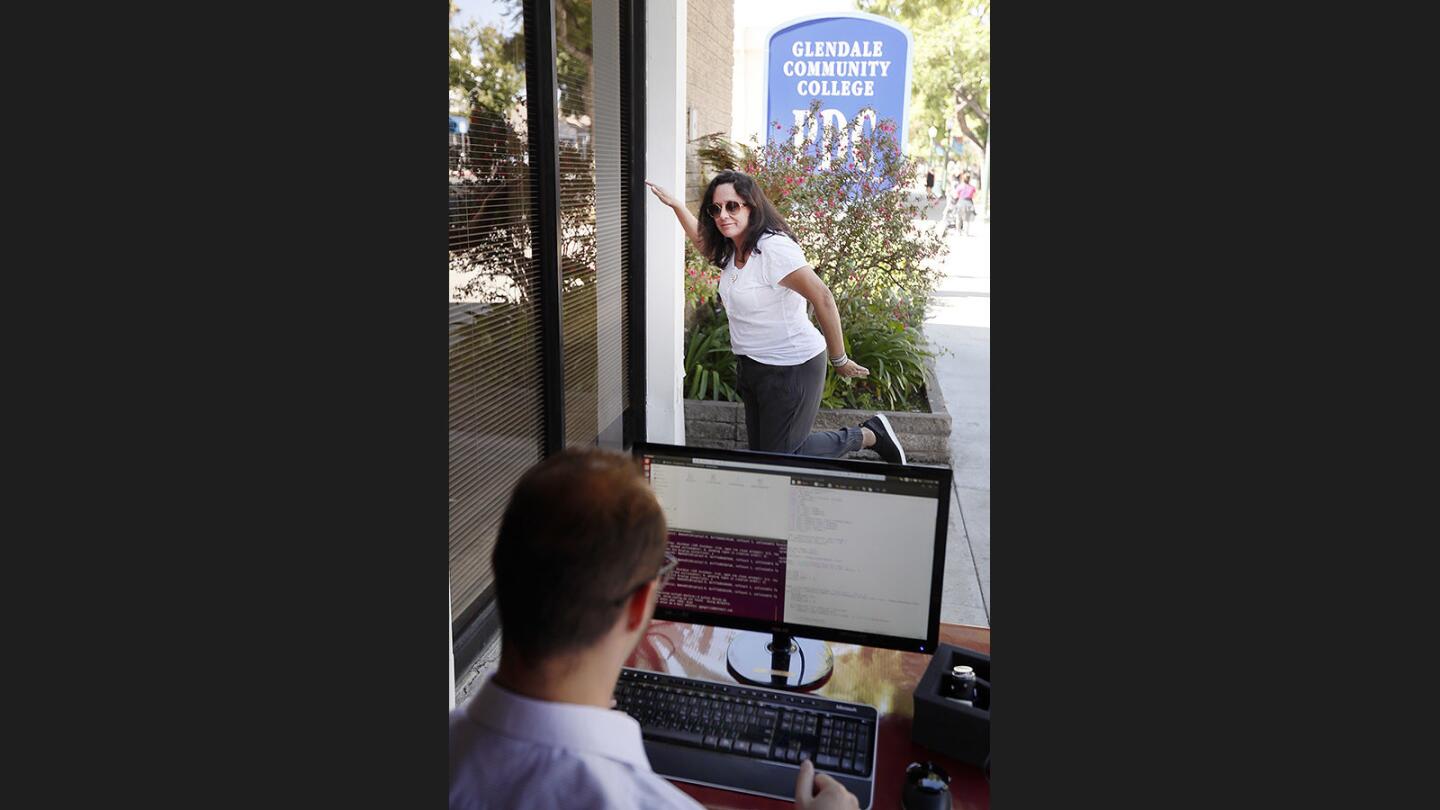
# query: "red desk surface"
884,679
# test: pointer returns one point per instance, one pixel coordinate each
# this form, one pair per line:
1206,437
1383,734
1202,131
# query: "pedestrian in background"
965,194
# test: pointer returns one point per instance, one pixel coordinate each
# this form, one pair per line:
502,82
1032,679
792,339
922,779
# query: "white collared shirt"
509,751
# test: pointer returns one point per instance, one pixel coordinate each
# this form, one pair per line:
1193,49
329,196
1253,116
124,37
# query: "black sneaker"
887,444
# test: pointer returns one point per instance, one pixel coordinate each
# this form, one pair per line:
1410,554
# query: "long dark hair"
763,218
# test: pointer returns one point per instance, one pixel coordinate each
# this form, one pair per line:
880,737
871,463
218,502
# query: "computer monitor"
801,550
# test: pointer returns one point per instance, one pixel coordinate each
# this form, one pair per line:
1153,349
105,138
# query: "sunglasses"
713,209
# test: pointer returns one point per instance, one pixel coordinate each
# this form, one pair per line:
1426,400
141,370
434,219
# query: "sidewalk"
958,329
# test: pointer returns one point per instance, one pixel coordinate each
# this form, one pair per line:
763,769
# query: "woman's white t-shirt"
767,321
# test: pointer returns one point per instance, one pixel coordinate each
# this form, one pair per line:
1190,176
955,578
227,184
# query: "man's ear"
638,607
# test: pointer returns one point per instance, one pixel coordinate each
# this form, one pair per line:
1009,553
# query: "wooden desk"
884,679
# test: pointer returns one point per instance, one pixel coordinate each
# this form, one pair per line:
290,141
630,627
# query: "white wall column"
665,37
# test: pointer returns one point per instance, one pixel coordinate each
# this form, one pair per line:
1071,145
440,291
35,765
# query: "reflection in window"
594,227
496,415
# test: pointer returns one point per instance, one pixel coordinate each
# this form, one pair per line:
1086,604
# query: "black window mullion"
632,69
545,168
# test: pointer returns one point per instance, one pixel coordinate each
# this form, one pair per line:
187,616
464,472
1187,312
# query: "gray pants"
780,407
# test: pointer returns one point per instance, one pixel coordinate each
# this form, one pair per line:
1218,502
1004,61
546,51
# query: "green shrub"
709,363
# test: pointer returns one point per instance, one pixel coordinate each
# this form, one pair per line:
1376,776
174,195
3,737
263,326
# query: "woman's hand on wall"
662,195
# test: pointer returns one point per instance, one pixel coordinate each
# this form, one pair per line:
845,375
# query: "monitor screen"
828,549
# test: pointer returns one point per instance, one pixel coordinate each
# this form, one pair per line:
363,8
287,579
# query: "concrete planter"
926,436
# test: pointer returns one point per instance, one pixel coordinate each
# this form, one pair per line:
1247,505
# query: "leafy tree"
489,244
951,64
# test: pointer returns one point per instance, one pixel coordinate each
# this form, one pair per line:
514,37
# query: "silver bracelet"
837,362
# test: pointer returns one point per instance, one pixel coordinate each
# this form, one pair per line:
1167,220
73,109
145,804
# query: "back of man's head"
582,530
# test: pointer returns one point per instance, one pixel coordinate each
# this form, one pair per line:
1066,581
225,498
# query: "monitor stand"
779,660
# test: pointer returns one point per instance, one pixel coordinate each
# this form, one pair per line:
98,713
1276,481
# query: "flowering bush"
844,195
702,281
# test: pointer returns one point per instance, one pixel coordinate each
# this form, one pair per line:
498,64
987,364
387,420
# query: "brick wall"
709,65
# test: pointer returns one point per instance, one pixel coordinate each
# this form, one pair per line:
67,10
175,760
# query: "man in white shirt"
578,563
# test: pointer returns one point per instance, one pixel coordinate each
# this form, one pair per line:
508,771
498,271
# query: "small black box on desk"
946,725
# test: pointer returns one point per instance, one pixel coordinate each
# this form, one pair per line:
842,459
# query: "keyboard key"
847,764
827,761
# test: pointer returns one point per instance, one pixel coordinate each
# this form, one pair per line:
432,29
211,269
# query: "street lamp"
949,143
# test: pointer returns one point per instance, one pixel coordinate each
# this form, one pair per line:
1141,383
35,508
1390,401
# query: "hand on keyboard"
733,736
831,796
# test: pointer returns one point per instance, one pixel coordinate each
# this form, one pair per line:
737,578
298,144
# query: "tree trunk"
961,102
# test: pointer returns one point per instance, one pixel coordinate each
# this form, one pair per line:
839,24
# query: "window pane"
593,220
496,414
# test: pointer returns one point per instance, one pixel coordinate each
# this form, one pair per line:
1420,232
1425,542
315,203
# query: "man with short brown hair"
578,563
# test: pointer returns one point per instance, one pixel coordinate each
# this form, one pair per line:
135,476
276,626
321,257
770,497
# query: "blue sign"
848,61
459,124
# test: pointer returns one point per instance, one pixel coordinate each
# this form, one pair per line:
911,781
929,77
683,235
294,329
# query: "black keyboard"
748,738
